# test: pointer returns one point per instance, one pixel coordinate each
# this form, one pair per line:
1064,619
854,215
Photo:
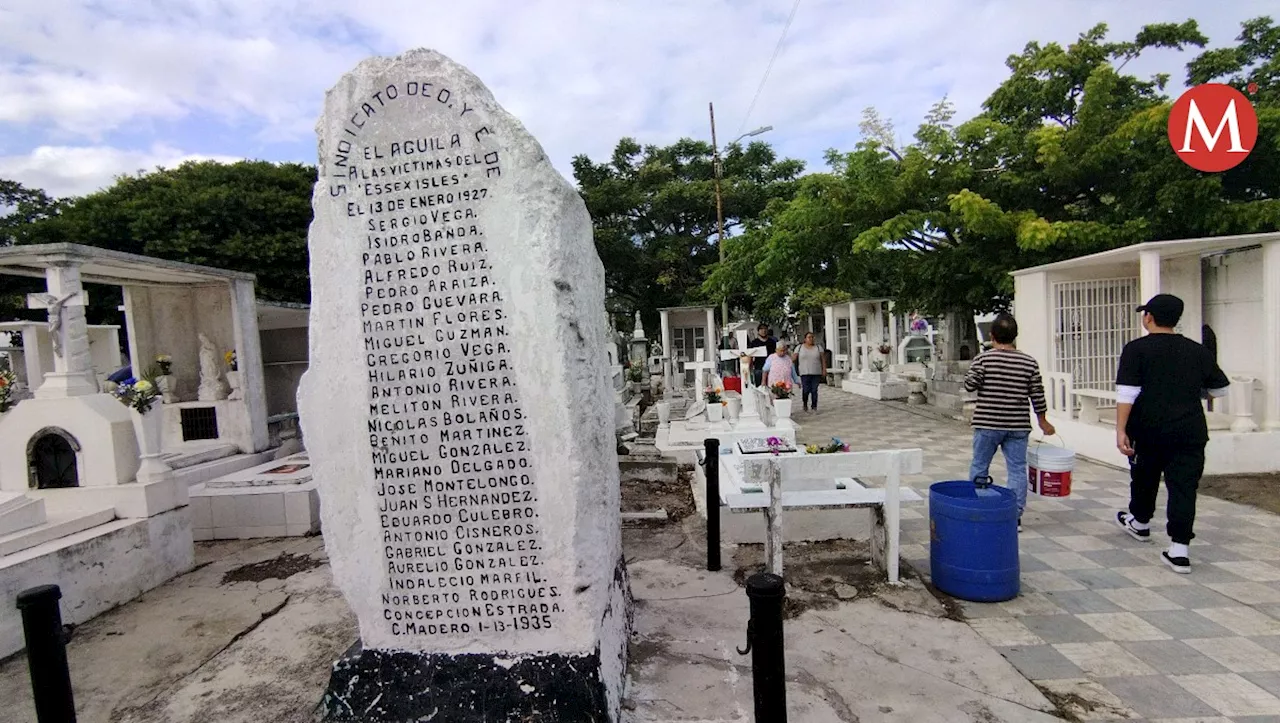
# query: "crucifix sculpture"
54,305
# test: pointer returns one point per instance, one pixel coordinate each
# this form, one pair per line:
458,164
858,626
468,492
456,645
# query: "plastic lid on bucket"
1052,459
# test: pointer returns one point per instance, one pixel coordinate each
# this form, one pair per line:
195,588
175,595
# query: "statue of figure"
211,386
638,333
54,305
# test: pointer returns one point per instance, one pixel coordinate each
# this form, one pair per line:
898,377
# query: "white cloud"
579,73
77,170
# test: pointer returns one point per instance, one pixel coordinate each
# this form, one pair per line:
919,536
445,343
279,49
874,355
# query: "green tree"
248,216
22,206
654,214
1070,156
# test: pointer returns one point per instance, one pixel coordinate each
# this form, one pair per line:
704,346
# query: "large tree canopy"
654,214
247,216
1070,156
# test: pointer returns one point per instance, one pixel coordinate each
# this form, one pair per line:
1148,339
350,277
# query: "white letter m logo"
1195,121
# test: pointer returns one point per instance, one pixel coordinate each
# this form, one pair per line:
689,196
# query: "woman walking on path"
809,358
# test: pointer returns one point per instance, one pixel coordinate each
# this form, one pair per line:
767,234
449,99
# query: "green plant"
713,395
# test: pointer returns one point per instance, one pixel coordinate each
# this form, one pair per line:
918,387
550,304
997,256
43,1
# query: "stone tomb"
457,410
275,499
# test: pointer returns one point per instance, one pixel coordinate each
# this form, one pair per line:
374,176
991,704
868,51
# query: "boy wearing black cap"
1160,425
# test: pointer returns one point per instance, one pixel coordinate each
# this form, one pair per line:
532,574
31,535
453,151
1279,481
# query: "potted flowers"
139,395
164,378
233,374
782,399
8,382
715,404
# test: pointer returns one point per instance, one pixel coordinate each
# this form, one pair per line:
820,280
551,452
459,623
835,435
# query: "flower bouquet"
919,326
8,381
884,349
230,358
781,399
835,446
165,363
136,394
715,403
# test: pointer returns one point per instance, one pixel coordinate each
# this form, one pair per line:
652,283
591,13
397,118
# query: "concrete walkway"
1102,625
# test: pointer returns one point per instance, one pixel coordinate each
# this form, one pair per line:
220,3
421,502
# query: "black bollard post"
47,654
712,469
765,642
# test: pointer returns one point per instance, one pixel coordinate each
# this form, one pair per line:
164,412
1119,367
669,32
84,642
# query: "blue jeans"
1014,446
809,390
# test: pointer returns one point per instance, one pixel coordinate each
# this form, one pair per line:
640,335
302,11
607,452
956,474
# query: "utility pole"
715,150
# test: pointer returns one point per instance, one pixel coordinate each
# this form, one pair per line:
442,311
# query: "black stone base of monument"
388,686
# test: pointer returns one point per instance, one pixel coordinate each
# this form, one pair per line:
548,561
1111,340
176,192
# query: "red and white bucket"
1049,470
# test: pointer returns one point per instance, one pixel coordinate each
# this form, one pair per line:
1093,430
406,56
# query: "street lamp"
724,302
748,134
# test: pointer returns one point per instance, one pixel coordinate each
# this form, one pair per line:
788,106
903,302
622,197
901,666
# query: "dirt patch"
674,497
277,568
951,605
820,575
1256,490
1072,706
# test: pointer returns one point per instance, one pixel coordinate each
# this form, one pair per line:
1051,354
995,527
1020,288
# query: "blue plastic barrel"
973,541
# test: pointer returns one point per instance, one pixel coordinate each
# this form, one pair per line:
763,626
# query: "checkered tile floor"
1099,614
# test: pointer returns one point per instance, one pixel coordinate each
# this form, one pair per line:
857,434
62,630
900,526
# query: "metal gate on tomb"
53,460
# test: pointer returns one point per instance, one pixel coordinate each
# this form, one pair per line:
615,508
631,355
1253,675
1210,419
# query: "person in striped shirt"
1009,388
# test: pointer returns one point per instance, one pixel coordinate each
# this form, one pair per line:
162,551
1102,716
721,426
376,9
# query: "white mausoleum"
1075,316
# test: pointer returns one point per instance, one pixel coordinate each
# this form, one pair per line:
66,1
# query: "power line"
777,50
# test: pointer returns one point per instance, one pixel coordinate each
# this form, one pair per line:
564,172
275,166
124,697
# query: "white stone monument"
211,387
456,409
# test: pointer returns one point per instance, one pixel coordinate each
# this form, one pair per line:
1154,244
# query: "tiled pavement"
1099,614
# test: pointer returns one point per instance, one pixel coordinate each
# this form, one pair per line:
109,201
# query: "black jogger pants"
1181,463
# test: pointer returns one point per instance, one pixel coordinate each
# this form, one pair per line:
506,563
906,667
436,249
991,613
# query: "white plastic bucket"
1049,470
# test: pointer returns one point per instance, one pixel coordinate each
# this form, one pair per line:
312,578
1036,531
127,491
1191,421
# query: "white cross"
55,305
741,351
699,367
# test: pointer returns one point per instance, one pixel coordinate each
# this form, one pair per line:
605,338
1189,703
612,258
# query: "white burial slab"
19,512
294,470
457,409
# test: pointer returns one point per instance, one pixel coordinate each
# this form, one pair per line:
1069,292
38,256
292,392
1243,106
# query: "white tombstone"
700,368
469,486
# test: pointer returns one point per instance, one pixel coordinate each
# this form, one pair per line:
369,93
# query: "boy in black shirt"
1160,425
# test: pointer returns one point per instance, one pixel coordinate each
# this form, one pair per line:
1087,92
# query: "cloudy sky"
93,88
